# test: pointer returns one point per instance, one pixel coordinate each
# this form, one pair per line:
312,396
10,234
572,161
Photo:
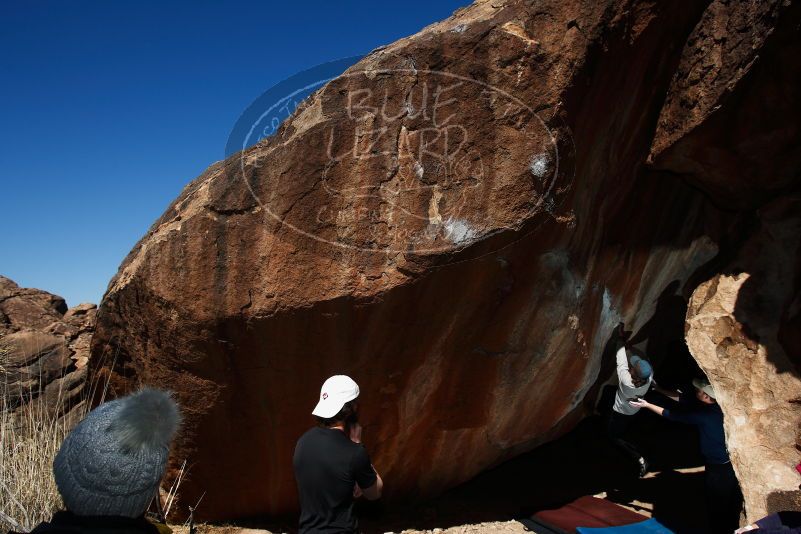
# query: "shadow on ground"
580,463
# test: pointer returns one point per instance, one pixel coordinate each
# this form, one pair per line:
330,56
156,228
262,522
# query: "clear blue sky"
109,108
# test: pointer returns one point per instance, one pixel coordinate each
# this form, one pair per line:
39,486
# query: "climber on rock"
634,379
331,464
724,499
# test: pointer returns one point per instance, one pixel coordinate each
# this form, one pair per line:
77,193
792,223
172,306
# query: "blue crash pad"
650,526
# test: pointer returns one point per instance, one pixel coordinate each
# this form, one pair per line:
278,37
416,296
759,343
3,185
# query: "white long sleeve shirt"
626,389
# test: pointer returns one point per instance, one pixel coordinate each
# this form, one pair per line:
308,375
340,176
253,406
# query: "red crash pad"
588,512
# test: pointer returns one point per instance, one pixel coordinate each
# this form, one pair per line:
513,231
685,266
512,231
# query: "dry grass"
29,441
30,438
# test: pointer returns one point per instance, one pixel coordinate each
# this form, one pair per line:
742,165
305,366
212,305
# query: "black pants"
723,497
616,428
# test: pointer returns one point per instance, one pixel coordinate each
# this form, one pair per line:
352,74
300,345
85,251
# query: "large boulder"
724,123
458,222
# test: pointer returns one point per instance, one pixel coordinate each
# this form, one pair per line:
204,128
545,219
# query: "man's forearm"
623,374
374,492
658,410
642,403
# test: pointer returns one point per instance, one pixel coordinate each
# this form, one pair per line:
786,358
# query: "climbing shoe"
643,463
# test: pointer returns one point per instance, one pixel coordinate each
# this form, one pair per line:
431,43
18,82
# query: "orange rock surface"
458,222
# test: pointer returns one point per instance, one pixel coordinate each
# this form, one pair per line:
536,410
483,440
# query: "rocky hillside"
45,348
459,221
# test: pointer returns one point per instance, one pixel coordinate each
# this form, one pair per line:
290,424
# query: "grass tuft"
31,433
32,429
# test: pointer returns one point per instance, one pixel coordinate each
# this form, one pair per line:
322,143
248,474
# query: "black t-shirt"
327,467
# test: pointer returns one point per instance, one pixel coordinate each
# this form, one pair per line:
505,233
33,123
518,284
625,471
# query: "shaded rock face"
45,348
736,325
458,222
724,123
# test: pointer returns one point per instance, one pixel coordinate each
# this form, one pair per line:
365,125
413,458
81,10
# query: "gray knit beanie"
111,463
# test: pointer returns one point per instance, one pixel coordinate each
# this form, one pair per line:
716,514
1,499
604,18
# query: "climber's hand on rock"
622,334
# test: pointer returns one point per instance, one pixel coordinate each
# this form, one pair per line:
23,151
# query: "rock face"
742,328
45,348
458,222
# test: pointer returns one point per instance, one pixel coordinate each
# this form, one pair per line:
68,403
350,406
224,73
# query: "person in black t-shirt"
331,465
724,498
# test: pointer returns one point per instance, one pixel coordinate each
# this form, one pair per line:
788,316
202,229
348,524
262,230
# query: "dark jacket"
780,523
69,523
708,419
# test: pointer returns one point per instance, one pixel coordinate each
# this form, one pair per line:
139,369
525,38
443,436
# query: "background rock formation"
743,330
463,243
45,348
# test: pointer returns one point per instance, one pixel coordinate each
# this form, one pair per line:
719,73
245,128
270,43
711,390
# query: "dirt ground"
493,527
580,463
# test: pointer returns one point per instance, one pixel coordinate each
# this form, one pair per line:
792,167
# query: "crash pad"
588,511
649,526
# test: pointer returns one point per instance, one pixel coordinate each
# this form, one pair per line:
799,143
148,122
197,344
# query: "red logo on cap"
325,396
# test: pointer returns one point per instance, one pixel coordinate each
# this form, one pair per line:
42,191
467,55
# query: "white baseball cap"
336,391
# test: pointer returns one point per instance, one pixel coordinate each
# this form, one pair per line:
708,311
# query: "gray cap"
111,463
705,386
644,369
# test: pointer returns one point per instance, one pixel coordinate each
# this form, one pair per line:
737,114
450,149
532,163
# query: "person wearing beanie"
110,465
634,376
724,498
331,464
